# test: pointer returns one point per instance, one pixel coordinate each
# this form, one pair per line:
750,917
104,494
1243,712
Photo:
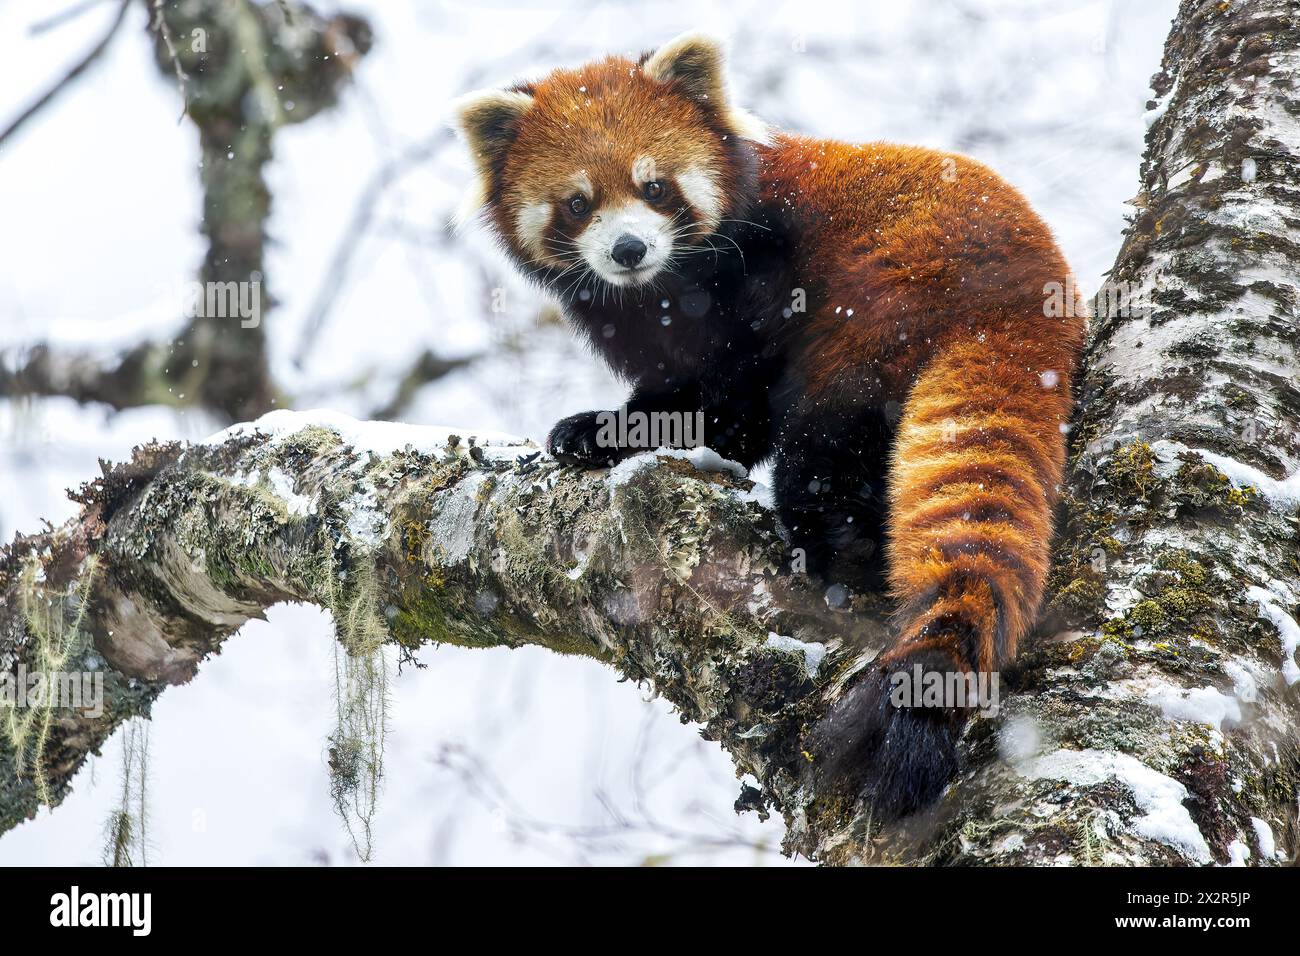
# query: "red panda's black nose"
628,250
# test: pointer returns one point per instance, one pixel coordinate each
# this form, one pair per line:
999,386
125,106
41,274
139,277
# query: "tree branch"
663,571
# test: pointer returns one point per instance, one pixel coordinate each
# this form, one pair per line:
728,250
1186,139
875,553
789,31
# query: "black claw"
573,442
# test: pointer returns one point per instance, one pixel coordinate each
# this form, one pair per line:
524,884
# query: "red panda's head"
616,169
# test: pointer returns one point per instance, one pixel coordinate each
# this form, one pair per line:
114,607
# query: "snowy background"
492,756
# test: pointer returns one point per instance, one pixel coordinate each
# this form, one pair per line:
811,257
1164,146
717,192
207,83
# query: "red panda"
870,317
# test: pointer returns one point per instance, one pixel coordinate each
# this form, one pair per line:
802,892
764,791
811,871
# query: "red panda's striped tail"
977,460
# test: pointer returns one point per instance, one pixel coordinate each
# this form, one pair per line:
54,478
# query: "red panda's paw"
577,440
872,744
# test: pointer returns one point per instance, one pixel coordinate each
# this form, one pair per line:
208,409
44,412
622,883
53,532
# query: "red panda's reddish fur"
943,252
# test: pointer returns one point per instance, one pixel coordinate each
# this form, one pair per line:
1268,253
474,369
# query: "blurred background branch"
244,72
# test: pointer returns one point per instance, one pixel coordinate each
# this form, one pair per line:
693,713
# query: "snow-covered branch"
663,568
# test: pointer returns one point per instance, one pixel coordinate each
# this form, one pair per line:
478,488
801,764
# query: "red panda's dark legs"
829,485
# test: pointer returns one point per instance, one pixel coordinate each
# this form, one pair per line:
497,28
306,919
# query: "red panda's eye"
653,190
578,205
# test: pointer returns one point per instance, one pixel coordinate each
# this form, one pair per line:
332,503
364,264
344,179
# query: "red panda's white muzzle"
628,245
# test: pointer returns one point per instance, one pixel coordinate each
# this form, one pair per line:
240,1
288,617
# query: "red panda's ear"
695,62
489,121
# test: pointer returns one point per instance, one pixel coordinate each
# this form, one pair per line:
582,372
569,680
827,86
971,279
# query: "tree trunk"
1153,721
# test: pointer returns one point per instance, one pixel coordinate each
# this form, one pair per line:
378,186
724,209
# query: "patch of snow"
1238,853
1244,685
583,556
761,495
706,459
282,485
1158,796
1154,114
1264,836
1286,626
813,653
702,458
626,469
377,438
1205,705
366,523
1283,492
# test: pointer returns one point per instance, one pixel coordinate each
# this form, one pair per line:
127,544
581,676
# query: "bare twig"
71,75
584,841
159,25
425,369
63,16
356,230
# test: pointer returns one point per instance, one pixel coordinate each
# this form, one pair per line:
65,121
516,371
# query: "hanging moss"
361,697
53,621
126,833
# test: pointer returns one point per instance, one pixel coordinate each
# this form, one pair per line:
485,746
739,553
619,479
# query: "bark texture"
1152,721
